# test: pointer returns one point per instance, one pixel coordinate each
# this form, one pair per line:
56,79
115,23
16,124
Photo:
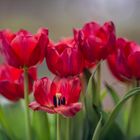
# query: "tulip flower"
22,49
95,41
11,82
64,58
57,96
124,63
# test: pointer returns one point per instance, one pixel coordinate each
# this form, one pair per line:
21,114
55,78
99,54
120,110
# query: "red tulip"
57,96
23,49
124,63
64,58
11,82
95,41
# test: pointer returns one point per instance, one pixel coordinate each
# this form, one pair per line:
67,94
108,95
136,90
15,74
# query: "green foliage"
116,110
113,93
40,125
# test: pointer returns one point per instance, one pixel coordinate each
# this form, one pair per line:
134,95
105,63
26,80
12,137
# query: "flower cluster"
66,59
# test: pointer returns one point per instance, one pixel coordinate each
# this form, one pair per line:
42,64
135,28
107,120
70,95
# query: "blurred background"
61,16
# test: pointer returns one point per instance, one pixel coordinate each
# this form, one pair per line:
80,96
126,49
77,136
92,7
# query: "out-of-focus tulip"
125,62
11,82
23,49
58,96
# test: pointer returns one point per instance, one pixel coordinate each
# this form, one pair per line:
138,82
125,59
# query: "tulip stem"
133,118
98,85
58,127
26,99
68,129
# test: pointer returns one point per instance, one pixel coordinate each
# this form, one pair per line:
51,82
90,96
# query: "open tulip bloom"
58,96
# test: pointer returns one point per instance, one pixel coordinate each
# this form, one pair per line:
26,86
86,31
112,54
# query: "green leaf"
113,93
4,125
40,124
91,116
77,126
3,135
97,129
116,110
103,95
14,120
133,127
87,75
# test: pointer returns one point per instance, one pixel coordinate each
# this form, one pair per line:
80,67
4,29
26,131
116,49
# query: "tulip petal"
42,92
36,106
24,46
52,57
38,53
11,91
8,52
75,90
134,64
70,110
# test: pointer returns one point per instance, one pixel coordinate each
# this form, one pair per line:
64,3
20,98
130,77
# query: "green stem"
134,115
58,127
68,129
26,99
98,85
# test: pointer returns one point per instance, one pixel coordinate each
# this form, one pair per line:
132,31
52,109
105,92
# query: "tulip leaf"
116,111
87,74
14,116
91,116
103,94
97,129
40,124
113,93
5,126
3,135
76,128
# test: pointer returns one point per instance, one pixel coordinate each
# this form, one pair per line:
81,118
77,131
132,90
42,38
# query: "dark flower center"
58,100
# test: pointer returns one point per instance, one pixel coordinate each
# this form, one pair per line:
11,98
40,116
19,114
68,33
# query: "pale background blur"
61,16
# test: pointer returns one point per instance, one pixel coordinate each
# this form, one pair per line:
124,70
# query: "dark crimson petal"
9,73
9,36
8,52
11,91
42,93
24,46
76,66
52,57
23,32
36,106
63,64
70,110
42,31
75,90
113,67
134,64
90,28
38,53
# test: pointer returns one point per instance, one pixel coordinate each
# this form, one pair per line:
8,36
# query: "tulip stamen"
57,99
63,101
